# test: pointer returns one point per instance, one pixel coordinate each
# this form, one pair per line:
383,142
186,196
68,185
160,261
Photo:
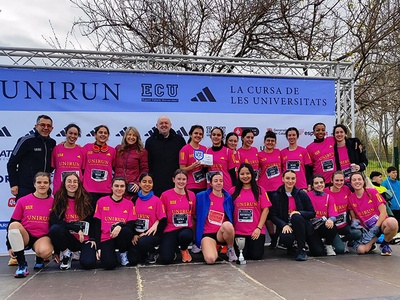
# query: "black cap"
374,173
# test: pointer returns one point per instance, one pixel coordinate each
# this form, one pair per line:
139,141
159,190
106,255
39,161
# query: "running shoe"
124,258
39,263
301,255
223,250
385,250
66,262
346,247
195,249
13,262
76,255
22,270
151,258
329,250
231,254
186,257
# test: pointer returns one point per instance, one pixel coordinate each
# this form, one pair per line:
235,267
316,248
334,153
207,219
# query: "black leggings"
123,242
62,239
146,244
253,249
173,239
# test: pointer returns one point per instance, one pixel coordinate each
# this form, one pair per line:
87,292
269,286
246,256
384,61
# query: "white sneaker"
231,254
195,249
346,248
329,250
76,255
66,262
124,258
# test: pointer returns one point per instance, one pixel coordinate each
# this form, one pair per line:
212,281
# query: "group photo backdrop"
122,99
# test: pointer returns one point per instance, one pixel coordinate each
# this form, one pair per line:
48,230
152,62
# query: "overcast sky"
24,22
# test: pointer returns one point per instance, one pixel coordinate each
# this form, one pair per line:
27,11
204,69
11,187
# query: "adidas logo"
4,132
181,131
205,96
91,133
62,133
121,132
31,132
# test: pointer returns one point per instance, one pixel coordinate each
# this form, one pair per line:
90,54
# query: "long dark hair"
83,207
192,129
256,190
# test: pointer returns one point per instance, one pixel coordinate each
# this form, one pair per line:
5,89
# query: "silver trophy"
241,242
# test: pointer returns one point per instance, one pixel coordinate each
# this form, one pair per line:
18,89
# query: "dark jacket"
355,151
279,211
31,154
163,155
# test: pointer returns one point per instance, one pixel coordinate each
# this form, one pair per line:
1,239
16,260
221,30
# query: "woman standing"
231,142
368,211
67,156
270,177
71,223
341,193
131,159
98,163
349,153
251,207
296,158
179,206
322,153
189,160
248,153
325,215
214,223
224,161
114,225
150,223
29,226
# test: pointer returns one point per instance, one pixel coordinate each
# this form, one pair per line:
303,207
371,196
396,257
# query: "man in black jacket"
163,147
31,154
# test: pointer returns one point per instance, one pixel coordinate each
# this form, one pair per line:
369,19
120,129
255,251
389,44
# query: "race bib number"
211,173
347,173
180,220
341,219
199,176
327,165
66,173
293,165
216,217
371,221
99,175
245,215
272,172
141,225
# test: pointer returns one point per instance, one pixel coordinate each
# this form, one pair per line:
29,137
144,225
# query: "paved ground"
277,276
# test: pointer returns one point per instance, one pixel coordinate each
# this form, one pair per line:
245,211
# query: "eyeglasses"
45,125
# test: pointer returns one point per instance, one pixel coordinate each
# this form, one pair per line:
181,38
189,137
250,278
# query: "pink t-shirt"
249,156
323,157
344,162
291,204
98,168
179,209
224,160
148,212
216,215
65,160
247,211
342,201
270,176
34,214
366,207
110,212
71,216
187,156
324,205
296,160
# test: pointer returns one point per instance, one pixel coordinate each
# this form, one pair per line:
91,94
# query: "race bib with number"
141,225
245,215
199,176
272,172
293,165
371,221
180,220
341,219
99,175
216,217
327,165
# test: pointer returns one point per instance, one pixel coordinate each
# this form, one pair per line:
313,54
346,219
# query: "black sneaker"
301,255
66,262
152,258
